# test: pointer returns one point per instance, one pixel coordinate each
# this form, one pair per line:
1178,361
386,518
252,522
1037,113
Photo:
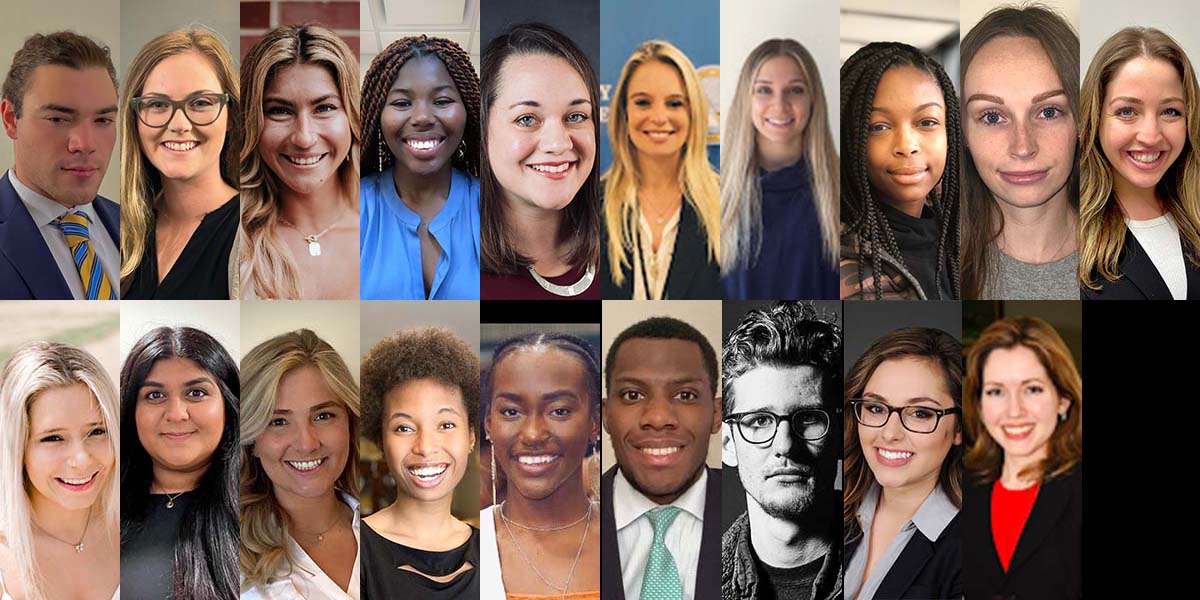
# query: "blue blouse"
390,250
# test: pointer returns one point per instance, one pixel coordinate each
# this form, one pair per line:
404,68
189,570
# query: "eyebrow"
404,415
905,402
677,381
57,429
190,382
547,397
535,104
916,110
408,91
316,100
793,80
998,100
288,411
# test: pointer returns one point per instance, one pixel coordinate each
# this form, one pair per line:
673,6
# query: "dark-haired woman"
419,237
179,476
540,190
542,412
900,152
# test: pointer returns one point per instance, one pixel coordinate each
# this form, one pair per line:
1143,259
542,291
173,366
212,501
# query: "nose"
893,429
79,455
555,139
533,430
906,141
304,136
1014,405
82,139
179,122
307,441
422,114
657,414
423,442
783,442
1149,132
176,410
1022,142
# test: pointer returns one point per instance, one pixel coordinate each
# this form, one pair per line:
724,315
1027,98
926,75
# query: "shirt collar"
629,504
931,518
455,199
44,210
301,558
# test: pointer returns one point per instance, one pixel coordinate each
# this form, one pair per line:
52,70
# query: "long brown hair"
984,457
939,348
982,221
1101,220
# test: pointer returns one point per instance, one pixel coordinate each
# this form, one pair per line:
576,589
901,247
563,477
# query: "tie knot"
73,223
661,518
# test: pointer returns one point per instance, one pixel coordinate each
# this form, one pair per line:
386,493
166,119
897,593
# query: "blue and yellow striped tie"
74,226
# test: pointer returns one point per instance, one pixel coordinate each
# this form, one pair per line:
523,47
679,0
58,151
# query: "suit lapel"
610,555
1136,266
23,245
688,256
708,571
110,216
1047,510
979,522
908,565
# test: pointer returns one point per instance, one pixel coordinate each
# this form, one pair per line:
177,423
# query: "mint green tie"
660,580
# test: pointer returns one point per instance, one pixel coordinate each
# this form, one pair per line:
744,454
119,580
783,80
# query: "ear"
1064,405
487,427
8,111
473,440
716,417
728,450
958,437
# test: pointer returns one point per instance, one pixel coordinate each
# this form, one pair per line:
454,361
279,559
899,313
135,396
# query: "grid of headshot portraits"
524,300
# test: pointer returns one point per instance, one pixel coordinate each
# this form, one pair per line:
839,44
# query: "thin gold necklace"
78,545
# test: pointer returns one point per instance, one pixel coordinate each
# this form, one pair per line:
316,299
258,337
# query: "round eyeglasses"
201,108
760,426
917,419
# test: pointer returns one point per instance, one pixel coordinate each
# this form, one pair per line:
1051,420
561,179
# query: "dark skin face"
660,414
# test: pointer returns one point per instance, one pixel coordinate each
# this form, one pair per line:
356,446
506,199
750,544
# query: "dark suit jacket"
27,269
925,568
1048,561
708,573
692,276
1139,279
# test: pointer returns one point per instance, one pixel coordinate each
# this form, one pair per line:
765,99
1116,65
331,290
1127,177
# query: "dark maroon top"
523,287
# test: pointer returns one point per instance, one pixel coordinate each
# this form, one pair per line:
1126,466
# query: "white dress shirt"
44,211
635,534
307,581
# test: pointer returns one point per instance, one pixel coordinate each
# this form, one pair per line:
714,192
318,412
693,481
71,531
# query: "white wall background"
335,321
1177,18
218,318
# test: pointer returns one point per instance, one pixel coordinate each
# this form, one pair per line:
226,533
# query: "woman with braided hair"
901,141
300,167
420,186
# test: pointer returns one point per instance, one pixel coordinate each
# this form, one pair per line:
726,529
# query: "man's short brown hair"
65,48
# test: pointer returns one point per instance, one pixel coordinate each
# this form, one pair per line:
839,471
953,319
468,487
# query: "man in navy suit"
60,108
660,522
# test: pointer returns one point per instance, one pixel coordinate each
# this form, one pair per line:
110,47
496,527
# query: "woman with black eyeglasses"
903,467
180,170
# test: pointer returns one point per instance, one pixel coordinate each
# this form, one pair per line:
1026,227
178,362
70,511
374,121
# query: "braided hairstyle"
383,71
861,213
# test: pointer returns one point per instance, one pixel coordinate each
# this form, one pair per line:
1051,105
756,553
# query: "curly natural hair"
861,213
383,71
422,353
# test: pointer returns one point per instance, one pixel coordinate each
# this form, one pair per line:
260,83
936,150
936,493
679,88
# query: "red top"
1010,511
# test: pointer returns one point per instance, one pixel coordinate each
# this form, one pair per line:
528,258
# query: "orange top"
572,596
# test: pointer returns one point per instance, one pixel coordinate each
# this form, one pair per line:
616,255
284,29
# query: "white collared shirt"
307,581
44,211
655,263
635,534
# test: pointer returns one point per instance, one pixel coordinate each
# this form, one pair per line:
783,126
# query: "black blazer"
708,573
1139,277
692,276
1048,561
925,568
27,269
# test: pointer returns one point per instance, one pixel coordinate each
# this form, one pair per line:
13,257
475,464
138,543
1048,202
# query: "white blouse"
307,581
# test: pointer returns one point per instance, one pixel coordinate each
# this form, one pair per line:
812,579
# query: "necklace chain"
78,545
555,528
578,553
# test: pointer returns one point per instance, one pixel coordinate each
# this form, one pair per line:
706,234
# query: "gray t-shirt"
1011,279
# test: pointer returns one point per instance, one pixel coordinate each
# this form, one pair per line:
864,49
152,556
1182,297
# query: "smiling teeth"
894,455
1018,430
1145,157
76,481
536,460
661,451
778,122
304,161
428,472
306,465
423,144
549,169
659,134
180,147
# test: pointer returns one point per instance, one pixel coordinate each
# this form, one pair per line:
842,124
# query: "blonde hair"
140,181
701,185
33,369
1101,221
263,523
741,196
267,269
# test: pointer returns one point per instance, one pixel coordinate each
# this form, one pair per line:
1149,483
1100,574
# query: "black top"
791,263
382,577
917,238
1140,279
794,582
202,270
148,552
691,275
925,568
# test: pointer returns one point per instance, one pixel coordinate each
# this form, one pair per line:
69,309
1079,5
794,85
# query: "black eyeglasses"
917,419
201,108
760,426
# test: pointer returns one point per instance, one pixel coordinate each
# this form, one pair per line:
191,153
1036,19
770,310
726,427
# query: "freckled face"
306,133
906,143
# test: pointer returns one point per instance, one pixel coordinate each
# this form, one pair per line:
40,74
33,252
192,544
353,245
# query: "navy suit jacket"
1140,279
708,573
691,276
27,269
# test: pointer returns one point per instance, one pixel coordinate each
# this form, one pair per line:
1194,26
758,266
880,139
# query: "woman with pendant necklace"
179,478
300,167
661,228
541,411
299,472
58,501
